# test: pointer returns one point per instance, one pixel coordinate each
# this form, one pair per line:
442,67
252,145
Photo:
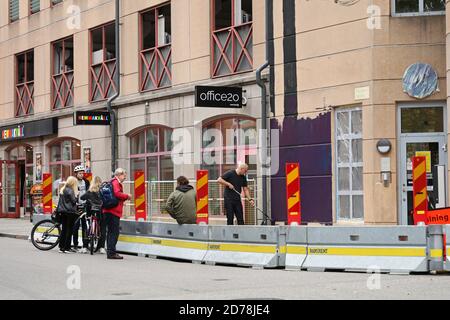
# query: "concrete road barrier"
257,247
364,249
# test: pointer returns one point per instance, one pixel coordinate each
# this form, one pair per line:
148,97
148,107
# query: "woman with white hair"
67,206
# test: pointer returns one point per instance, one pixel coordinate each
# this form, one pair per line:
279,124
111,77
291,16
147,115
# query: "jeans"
113,229
232,208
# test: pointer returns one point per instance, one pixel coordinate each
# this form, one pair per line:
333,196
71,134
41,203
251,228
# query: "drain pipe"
262,85
112,113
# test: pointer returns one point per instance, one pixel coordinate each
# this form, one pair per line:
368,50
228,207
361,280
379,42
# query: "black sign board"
218,97
91,118
28,130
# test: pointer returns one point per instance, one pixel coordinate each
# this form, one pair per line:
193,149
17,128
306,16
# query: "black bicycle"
45,235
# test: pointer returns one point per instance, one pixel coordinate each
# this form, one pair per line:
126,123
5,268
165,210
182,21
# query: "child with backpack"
94,205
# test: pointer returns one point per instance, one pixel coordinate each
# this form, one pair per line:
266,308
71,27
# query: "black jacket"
93,202
67,202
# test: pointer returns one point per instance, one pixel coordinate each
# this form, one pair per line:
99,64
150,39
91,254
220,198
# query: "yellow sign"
426,154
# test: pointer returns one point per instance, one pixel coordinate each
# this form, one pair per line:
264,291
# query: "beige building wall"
337,53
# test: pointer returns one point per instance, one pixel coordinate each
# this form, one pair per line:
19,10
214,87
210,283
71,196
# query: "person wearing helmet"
83,187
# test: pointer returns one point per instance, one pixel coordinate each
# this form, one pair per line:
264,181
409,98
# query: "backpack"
107,195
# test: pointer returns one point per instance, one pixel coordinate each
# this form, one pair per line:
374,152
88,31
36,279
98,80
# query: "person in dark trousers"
94,207
83,187
182,203
113,215
67,206
235,181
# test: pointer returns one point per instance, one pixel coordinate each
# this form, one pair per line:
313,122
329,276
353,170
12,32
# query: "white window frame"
351,165
421,11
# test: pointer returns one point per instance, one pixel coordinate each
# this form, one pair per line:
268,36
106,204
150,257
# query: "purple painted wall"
307,141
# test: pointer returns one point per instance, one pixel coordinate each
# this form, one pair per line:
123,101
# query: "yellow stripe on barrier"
46,183
164,242
140,201
436,253
140,181
420,169
368,252
131,239
200,246
294,200
202,182
296,250
292,176
248,248
47,198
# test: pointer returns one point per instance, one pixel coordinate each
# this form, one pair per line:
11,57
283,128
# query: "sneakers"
62,251
83,251
102,251
71,251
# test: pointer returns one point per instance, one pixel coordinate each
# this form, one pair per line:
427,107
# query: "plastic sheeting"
420,81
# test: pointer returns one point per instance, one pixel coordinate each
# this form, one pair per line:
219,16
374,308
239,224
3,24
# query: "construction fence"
159,191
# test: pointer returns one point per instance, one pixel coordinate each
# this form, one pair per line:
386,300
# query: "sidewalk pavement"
15,228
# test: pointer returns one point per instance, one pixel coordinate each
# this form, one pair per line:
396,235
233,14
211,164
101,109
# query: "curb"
14,236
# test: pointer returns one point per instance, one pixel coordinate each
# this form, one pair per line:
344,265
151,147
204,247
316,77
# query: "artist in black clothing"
235,181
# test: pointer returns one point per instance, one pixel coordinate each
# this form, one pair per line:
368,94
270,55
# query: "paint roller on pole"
264,214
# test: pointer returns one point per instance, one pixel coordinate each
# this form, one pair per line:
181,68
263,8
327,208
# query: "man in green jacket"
182,203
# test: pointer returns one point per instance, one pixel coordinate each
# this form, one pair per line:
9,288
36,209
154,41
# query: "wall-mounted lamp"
384,146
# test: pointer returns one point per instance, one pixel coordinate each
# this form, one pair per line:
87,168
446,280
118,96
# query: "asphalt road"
26,273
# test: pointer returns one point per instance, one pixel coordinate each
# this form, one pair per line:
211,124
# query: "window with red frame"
227,142
151,151
156,48
232,37
103,63
24,84
63,76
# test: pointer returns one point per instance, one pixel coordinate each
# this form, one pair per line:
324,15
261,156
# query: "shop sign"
218,97
91,118
29,130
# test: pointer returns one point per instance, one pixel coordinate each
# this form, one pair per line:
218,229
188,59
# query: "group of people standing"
77,196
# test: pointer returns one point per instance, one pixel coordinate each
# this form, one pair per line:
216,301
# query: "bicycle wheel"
93,238
45,235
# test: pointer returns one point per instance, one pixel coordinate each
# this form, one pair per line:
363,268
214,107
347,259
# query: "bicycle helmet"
79,168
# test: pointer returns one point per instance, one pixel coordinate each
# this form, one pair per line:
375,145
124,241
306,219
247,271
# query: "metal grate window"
349,160
13,10
56,2
35,6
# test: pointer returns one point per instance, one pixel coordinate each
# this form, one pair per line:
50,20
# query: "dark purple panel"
314,160
315,196
307,141
295,132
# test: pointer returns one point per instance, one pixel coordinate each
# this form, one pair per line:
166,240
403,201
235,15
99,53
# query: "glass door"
9,190
434,149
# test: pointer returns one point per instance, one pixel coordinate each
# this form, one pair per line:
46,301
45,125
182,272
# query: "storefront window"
65,155
227,142
151,152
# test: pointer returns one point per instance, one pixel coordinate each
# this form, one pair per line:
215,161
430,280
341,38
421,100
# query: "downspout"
112,113
262,85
